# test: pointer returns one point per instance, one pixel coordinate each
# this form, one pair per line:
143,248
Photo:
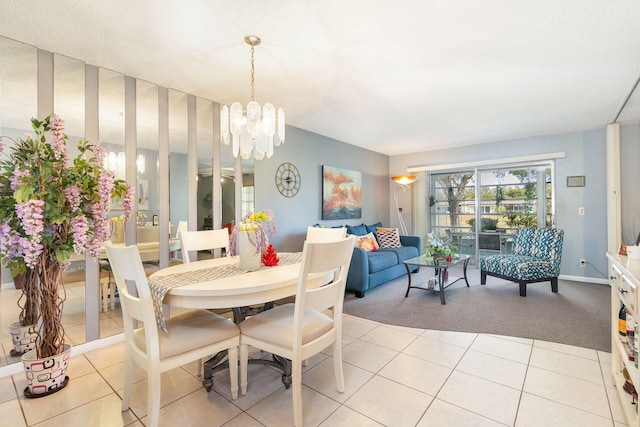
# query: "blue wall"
308,152
585,236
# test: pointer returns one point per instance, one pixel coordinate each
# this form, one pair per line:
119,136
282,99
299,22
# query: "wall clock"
288,180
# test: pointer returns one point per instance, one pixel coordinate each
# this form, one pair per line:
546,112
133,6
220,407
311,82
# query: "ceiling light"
253,130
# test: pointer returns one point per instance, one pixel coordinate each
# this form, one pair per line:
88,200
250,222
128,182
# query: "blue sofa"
370,269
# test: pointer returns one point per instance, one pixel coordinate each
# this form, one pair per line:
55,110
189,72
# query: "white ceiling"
391,76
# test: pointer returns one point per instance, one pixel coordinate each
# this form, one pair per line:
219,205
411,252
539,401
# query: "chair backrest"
320,234
542,243
200,240
322,257
182,226
135,298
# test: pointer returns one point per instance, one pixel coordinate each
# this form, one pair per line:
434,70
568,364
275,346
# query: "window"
500,199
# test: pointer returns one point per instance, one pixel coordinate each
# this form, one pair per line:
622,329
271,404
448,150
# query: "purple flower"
31,214
80,227
74,194
127,202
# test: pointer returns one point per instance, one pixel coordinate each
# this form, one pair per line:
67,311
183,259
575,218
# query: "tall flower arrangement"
260,222
50,208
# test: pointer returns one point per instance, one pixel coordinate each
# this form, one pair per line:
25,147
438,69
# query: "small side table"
441,268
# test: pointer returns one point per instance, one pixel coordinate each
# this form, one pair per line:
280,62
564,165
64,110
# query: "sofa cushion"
372,228
402,254
380,260
388,238
367,242
519,267
358,230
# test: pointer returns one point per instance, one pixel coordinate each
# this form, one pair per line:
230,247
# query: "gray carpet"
579,314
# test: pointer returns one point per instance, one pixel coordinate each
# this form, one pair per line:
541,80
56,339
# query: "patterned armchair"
536,257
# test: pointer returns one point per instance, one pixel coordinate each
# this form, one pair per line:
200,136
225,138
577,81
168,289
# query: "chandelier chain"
252,76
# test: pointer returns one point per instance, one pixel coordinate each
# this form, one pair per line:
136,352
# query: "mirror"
204,151
69,104
18,104
178,196
147,231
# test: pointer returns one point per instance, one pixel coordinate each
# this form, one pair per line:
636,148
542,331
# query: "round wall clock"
288,180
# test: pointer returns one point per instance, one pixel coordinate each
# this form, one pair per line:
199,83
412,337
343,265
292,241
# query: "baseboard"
584,279
16,368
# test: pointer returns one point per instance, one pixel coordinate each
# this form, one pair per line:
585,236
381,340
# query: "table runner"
159,286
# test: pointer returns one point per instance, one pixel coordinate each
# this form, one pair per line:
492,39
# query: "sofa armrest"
358,278
415,241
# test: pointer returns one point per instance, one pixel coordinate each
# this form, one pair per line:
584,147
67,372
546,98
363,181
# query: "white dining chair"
321,234
193,241
302,329
174,243
191,336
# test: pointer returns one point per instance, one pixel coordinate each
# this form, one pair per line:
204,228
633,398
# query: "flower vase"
117,232
250,257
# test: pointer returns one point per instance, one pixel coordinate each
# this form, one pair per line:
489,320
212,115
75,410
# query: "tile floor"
395,376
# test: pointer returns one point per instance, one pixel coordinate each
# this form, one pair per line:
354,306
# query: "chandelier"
254,130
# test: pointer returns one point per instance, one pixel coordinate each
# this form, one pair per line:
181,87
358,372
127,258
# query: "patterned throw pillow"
388,237
367,242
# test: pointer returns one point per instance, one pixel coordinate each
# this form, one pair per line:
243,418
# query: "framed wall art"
341,193
576,181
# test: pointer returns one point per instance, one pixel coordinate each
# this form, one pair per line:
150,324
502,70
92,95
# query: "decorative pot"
23,337
250,258
45,376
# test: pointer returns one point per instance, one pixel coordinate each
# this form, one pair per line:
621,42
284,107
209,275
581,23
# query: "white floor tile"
322,379
586,353
367,356
347,417
355,327
416,373
461,339
535,411
277,408
567,390
507,349
443,414
486,398
435,351
567,364
493,368
384,336
389,403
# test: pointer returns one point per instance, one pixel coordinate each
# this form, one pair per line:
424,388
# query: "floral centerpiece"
261,223
440,247
50,208
250,238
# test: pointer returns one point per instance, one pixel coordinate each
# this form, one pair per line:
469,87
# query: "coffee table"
441,267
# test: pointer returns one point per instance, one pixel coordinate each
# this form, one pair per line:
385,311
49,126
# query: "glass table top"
427,261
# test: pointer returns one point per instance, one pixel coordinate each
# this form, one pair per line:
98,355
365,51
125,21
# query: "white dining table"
235,290
199,285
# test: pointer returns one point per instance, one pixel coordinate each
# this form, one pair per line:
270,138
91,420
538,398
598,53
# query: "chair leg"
153,399
296,391
483,277
523,289
337,365
233,371
359,294
554,284
244,362
129,372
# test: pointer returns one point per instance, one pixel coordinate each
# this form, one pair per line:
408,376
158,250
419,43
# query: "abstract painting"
341,193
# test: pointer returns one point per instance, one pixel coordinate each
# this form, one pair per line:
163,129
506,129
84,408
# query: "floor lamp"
403,182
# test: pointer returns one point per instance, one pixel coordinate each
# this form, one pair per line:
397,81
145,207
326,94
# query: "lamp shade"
404,179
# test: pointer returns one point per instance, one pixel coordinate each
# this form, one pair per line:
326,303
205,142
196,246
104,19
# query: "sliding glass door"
481,209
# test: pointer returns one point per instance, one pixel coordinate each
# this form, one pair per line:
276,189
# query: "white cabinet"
624,290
